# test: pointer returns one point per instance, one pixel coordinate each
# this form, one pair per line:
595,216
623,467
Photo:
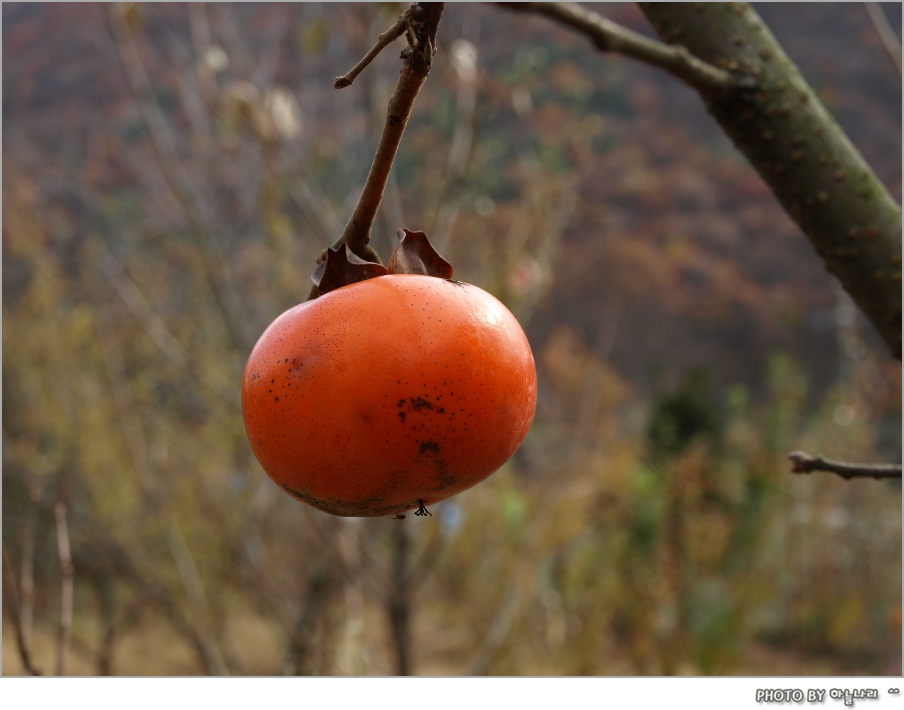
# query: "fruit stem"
421,21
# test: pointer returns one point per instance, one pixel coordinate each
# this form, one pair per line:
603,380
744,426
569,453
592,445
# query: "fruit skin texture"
386,393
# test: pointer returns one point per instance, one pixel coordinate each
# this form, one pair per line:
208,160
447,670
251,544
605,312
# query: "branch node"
419,28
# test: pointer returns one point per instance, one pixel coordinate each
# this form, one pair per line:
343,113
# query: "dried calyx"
414,254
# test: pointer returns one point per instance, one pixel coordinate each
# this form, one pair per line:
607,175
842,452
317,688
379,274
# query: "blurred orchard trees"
171,173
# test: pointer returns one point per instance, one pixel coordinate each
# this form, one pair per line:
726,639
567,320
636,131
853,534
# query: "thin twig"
27,586
421,22
383,41
609,36
886,32
803,462
62,528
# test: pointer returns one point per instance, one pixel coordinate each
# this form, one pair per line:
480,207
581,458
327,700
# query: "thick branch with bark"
787,134
752,88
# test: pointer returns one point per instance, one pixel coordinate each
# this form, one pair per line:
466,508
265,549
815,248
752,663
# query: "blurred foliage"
170,175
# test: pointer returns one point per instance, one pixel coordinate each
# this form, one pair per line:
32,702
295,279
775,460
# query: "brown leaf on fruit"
343,267
414,254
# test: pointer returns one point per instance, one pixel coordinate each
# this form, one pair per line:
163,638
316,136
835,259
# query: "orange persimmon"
389,394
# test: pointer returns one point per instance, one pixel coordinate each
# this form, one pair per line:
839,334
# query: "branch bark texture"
790,138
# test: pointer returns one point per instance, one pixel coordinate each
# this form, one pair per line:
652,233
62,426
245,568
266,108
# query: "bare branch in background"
398,601
449,194
198,213
160,334
14,609
806,463
156,492
886,32
62,531
21,600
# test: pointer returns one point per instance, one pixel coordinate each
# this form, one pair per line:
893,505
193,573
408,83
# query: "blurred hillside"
170,174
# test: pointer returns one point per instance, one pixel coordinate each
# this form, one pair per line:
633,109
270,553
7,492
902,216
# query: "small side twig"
803,462
383,41
608,36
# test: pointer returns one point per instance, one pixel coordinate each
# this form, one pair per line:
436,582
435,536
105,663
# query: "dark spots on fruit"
276,399
401,403
272,380
402,417
419,403
429,446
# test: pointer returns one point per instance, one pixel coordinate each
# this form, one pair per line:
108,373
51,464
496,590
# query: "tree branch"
803,462
784,130
14,608
790,138
420,21
62,528
608,36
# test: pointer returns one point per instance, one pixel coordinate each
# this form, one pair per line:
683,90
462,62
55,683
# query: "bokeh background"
170,174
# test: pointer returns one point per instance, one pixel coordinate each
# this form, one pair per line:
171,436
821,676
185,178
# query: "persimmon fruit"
389,394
